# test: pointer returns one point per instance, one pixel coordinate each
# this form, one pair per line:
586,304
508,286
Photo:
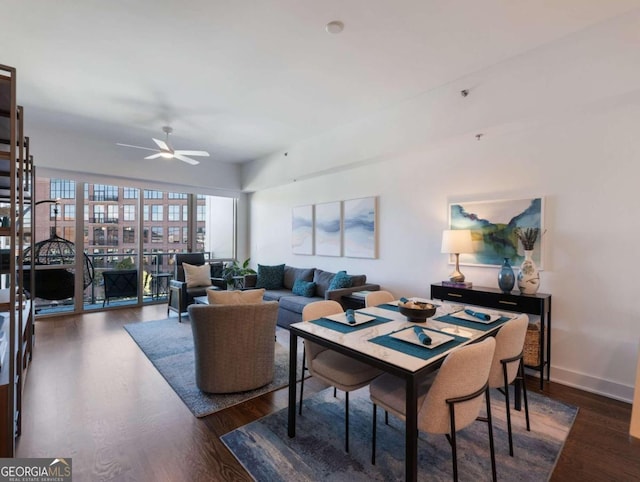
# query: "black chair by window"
185,295
120,283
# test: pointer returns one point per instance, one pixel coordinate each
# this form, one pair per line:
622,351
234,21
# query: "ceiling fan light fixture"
166,155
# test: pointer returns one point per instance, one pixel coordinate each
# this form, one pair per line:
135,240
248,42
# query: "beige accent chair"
508,365
332,367
447,402
376,298
233,345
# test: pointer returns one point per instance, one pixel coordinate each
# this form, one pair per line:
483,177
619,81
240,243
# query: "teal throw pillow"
270,277
340,280
304,288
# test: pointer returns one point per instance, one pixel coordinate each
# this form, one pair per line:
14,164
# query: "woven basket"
532,345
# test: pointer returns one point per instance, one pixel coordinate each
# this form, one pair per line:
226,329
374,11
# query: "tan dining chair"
508,366
331,367
448,401
376,298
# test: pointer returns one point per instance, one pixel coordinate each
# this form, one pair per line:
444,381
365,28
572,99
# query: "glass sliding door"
112,223
124,229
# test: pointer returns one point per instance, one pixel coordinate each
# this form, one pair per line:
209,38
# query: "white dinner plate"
342,318
493,316
410,336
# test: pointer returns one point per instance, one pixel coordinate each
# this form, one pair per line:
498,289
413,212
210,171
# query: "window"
173,235
98,236
69,212
185,212
129,212
112,213
69,232
174,212
156,212
202,210
145,212
152,194
62,188
156,234
130,193
128,235
145,235
86,213
105,192
112,236
176,195
98,213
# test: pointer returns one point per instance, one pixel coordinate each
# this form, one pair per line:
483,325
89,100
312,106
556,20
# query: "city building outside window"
156,212
156,234
173,213
62,188
69,212
129,212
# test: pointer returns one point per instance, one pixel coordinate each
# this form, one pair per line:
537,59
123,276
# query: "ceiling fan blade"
192,153
186,159
161,144
137,147
154,156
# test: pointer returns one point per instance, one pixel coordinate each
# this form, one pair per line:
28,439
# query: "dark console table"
538,304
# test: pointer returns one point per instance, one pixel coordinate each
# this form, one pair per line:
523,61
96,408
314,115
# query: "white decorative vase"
528,276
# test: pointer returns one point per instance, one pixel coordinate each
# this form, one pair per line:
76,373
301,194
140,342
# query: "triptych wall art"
340,228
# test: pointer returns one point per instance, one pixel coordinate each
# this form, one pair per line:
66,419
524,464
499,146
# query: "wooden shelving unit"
16,310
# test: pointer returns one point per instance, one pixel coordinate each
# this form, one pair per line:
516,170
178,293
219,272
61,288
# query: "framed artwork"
328,229
302,230
493,224
360,225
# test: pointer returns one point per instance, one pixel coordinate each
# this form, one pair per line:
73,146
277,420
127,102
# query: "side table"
538,304
174,301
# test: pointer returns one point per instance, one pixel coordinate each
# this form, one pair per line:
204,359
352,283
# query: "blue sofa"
290,306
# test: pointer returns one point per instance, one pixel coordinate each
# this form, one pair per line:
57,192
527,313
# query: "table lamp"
456,241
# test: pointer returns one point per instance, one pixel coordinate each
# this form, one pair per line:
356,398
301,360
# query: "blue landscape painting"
360,228
302,230
328,233
493,224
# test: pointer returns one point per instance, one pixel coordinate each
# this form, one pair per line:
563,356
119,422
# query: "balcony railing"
103,220
104,197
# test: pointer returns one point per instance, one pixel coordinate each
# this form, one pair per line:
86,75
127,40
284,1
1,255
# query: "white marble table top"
358,340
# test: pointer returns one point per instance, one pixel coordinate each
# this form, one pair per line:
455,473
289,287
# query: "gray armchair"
234,345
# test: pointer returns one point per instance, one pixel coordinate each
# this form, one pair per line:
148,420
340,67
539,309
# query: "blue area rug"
169,346
317,451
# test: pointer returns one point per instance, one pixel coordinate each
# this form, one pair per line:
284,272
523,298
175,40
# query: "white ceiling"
244,79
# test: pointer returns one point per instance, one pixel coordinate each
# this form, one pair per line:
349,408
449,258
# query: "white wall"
560,122
586,170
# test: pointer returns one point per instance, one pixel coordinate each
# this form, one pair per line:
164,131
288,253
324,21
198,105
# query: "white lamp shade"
457,241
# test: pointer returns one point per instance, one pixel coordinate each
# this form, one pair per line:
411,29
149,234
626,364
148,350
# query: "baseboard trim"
588,383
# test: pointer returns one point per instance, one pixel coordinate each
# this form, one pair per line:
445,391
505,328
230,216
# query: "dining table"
383,338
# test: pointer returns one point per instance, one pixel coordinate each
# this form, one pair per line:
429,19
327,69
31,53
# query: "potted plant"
233,270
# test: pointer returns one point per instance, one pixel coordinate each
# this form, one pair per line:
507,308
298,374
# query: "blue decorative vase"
506,277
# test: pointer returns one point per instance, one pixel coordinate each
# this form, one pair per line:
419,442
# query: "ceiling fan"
168,152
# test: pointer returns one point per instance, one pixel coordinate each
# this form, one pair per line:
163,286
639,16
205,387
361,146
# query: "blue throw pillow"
340,280
304,288
270,277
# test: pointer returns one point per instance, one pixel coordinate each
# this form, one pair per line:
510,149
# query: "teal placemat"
342,328
472,324
416,350
389,307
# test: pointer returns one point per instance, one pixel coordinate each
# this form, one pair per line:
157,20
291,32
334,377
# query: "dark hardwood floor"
92,395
